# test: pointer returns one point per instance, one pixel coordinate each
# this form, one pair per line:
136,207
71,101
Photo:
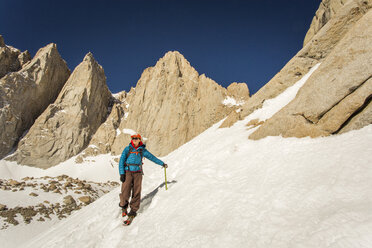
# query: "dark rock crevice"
359,110
351,91
303,115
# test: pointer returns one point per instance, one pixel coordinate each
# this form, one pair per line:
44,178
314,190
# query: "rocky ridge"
25,94
172,90
67,125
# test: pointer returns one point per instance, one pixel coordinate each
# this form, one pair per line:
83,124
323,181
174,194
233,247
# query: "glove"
165,165
122,178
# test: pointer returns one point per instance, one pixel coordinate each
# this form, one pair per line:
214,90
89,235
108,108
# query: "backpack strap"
130,151
141,154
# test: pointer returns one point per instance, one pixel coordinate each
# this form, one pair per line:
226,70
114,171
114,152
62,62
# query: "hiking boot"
123,212
132,213
128,221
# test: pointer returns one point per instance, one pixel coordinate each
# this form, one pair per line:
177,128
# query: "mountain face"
337,93
325,12
11,59
331,45
84,116
66,126
170,105
25,94
105,135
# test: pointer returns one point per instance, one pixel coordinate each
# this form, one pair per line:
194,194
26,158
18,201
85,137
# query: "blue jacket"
135,159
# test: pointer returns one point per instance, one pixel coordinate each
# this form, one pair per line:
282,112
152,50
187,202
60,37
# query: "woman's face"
136,141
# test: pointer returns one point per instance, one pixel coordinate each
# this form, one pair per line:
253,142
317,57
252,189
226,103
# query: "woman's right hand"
122,178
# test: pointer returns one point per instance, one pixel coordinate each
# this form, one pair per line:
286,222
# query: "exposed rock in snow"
24,95
83,100
43,198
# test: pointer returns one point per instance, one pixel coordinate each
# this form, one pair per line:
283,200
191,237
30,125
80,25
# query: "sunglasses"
135,138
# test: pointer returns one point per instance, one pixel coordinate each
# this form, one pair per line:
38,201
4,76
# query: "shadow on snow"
147,199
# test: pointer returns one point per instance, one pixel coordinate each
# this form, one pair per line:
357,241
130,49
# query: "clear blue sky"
230,41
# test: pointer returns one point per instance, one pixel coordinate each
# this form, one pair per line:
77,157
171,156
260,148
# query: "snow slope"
225,190
273,192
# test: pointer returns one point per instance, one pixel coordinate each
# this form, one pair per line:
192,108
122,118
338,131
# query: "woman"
130,169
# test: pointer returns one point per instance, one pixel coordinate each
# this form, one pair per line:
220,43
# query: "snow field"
299,193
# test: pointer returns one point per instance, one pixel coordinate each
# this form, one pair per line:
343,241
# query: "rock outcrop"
326,10
106,134
315,51
11,59
25,94
239,91
65,128
2,43
24,58
337,96
360,118
170,105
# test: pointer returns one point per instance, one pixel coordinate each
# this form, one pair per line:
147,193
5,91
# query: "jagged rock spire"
25,94
67,125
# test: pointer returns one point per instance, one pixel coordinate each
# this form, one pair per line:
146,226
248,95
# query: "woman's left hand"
165,165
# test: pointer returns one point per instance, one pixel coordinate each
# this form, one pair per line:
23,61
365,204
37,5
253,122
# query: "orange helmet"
137,135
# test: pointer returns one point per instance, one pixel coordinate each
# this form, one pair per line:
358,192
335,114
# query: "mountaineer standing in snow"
130,169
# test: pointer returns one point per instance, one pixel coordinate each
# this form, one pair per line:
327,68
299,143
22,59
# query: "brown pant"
133,181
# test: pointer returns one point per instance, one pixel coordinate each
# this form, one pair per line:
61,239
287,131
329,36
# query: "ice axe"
165,175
